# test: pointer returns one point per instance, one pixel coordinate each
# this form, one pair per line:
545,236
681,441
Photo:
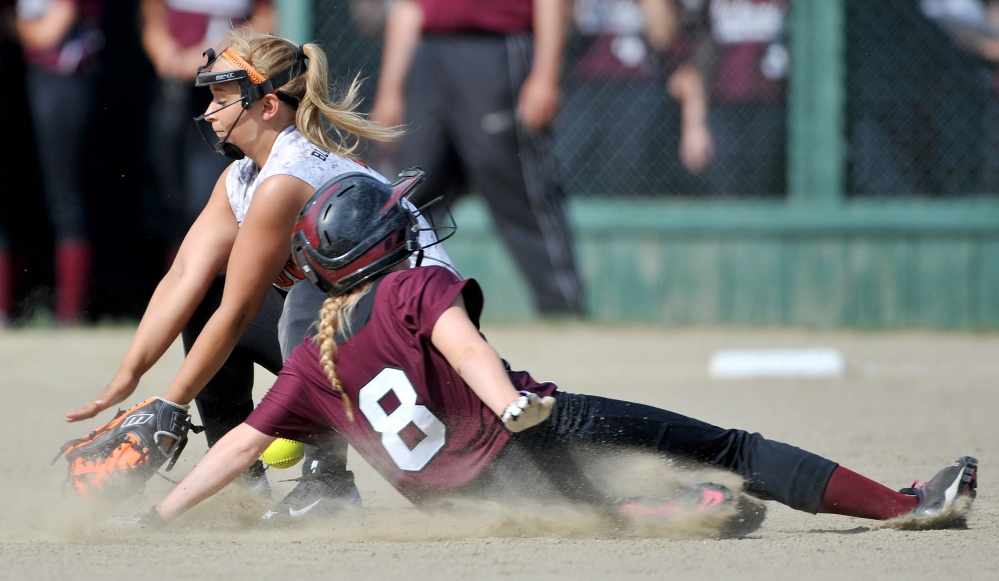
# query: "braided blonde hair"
318,116
337,311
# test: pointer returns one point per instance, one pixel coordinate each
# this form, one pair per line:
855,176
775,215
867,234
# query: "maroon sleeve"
290,408
419,296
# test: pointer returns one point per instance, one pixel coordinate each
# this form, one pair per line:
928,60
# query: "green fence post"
816,164
294,18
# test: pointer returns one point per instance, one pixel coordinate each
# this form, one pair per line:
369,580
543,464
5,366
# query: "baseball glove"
117,459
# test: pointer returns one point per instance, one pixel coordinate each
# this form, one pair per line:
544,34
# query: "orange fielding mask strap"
237,60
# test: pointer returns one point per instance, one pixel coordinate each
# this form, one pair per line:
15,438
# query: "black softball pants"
579,423
227,398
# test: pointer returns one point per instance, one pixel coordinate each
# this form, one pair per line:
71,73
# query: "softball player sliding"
400,369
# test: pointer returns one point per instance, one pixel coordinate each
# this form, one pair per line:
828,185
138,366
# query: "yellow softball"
283,453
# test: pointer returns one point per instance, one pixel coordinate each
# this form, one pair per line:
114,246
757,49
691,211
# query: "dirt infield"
910,403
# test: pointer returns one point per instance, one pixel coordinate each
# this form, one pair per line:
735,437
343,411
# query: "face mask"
252,87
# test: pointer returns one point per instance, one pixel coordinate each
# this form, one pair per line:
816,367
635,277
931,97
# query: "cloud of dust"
953,517
63,517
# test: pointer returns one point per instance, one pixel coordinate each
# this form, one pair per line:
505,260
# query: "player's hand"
148,518
113,394
538,102
696,148
527,411
184,64
388,109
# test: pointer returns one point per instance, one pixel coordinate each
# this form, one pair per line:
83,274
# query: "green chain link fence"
921,119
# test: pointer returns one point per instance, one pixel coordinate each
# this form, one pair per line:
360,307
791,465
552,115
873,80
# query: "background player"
477,84
268,115
400,368
174,35
64,49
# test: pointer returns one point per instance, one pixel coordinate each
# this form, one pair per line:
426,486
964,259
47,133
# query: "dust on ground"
910,403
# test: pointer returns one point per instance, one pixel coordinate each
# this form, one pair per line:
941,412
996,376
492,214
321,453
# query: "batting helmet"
353,228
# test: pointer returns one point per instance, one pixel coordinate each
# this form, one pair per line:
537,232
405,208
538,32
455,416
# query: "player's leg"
542,471
61,107
326,487
227,398
427,141
514,169
168,121
943,499
772,470
202,166
6,279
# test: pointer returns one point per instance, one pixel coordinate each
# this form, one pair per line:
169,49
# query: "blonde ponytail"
336,126
318,111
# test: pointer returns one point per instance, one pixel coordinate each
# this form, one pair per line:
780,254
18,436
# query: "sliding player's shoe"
739,516
697,499
948,495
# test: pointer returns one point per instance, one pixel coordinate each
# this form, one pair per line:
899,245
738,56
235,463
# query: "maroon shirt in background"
441,434
739,79
599,63
494,16
82,43
191,28
738,76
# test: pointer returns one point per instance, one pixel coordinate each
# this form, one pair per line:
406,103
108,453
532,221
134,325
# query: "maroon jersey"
752,65
495,16
415,420
204,22
79,47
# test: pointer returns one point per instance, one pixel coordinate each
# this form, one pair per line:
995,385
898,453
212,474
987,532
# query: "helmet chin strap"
414,245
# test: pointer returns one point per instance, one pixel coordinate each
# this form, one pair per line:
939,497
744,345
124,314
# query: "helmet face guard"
252,87
354,228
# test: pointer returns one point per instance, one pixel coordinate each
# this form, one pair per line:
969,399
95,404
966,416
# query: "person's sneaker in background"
255,480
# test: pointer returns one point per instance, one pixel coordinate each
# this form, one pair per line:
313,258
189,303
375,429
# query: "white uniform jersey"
296,156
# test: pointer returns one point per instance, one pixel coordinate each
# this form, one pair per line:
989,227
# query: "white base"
739,363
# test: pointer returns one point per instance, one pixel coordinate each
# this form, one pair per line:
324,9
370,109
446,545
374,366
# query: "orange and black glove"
117,459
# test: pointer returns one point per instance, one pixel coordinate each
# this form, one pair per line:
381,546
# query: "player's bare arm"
539,98
475,360
263,18
50,29
402,33
696,144
201,256
259,253
156,39
661,22
224,461
456,337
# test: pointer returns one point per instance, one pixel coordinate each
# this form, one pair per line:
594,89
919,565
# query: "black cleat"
318,494
255,480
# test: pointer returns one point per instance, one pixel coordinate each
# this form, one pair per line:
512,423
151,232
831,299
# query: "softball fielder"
268,113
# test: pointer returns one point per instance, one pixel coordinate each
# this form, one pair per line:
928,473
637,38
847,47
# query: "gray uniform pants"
461,99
